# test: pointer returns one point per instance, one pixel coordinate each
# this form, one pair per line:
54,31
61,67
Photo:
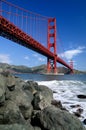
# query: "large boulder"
23,101
52,118
30,86
10,114
16,127
42,98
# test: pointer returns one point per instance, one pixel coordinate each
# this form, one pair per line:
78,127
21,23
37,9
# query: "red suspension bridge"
32,31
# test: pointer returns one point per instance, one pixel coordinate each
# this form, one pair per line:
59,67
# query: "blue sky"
71,33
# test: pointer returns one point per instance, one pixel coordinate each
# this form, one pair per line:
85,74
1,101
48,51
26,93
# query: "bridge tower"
51,43
71,65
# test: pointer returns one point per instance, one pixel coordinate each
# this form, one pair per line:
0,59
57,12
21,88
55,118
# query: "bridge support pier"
71,65
51,44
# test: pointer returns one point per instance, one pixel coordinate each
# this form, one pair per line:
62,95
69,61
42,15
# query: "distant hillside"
14,69
38,69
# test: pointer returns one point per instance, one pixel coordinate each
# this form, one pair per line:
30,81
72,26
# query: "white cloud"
5,58
41,59
35,55
26,58
69,54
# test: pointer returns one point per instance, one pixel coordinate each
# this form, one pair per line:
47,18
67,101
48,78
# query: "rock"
45,92
5,73
78,112
12,114
57,104
11,82
84,121
26,111
52,118
3,83
7,94
40,102
37,128
30,85
19,83
23,101
54,91
43,88
75,106
81,96
2,97
11,88
42,98
16,127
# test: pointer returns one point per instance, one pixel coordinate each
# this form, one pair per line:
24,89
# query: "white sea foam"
66,92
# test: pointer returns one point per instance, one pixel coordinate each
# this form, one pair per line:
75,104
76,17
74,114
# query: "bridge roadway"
12,32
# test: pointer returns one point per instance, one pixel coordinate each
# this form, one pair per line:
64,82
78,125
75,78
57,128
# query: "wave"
66,91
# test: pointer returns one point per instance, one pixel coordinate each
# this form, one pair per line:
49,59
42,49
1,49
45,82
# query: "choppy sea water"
65,88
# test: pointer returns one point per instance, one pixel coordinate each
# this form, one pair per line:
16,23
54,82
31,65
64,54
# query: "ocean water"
65,88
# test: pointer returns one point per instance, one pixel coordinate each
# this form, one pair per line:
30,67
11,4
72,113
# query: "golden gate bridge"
31,30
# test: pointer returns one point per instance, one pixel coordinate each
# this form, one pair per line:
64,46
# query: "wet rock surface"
52,118
29,106
81,96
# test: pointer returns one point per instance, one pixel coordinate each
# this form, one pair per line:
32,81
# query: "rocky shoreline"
29,106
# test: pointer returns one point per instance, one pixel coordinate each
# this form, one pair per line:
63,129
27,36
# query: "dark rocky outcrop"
78,112
29,106
84,121
81,96
52,118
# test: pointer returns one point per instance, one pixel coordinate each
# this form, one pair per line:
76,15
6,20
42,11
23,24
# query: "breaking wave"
66,91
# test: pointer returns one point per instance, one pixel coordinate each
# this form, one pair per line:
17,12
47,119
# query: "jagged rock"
42,98
11,82
57,103
30,85
78,112
12,114
40,102
3,83
18,83
16,127
7,94
45,92
11,88
2,97
52,118
23,101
